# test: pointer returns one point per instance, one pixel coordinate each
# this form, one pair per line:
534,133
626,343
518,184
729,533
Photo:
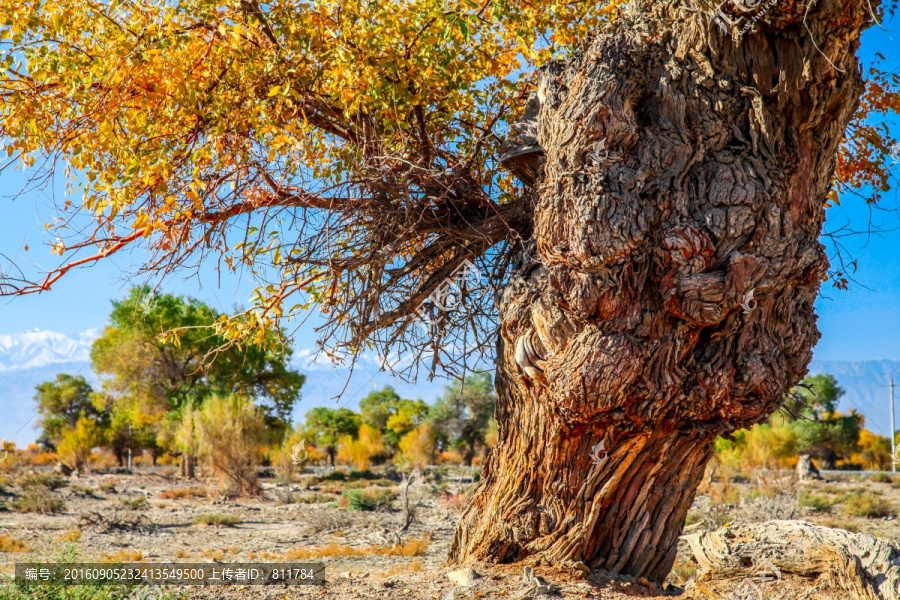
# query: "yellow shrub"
295,443
771,445
78,442
416,448
230,432
73,535
11,544
449,457
359,452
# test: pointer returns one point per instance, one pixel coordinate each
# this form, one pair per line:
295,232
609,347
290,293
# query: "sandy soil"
273,526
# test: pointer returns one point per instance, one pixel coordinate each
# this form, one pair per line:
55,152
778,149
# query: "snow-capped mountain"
30,358
38,349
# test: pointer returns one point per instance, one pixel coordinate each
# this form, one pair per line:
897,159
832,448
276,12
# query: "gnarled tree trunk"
667,296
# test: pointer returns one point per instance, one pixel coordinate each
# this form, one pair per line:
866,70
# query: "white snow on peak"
39,348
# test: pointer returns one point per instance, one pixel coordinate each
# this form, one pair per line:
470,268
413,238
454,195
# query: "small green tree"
822,432
325,427
61,403
153,374
462,417
185,438
394,416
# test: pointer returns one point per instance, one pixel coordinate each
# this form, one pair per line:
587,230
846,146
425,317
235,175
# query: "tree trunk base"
620,510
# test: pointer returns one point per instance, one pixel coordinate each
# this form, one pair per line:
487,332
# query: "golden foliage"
11,544
230,432
78,442
359,452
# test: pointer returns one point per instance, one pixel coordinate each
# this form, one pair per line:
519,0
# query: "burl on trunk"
667,294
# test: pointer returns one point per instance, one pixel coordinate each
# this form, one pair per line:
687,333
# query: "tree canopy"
61,403
344,153
149,376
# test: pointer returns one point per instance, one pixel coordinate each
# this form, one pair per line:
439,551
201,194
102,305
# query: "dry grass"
214,554
412,547
139,503
182,554
73,535
122,556
109,487
413,567
185,494
682,572
11,544
217,520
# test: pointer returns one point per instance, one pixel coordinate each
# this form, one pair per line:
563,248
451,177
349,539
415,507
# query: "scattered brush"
881,478
71,536
867,505
39,500
368,499
403,568
122,556
84,492
845,525
320,521
818,502
316,498
11,544
116,520
217,520
412,547
185,494
108,487
139,503
48,481
216,555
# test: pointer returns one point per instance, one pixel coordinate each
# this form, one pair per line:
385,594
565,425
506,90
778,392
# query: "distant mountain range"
866,387
29,358
40,349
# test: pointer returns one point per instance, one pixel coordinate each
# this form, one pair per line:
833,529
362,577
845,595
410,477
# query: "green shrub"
315,498
334,476
867,505
217,520
881,478
818,502
368,499
693,517
49,481
139,503
39,501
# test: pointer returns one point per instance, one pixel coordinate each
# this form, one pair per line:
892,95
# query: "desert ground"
358,525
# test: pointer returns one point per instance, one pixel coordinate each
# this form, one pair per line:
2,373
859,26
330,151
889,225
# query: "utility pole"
893,431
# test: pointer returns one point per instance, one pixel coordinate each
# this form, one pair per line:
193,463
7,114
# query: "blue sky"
859,324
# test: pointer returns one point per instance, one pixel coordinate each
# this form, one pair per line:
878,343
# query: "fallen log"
795,560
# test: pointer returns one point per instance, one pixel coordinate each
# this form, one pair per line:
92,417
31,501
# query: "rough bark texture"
677,171
812,561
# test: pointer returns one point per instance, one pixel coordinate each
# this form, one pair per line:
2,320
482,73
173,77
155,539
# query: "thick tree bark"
678,171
